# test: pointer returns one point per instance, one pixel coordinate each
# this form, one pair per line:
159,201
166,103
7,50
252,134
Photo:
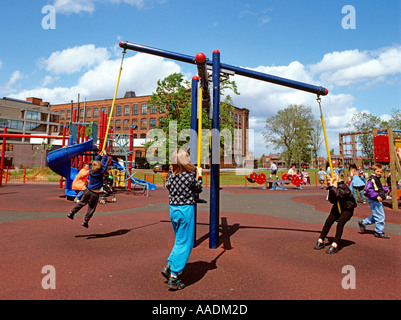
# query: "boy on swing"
92,192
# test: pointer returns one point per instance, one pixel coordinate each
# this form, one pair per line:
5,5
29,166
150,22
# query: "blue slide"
59,161
151,186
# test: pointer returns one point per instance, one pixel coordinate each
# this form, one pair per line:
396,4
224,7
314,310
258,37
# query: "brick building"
133,111
32,116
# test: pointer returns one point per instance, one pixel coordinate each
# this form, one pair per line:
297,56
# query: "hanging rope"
114,102
327,145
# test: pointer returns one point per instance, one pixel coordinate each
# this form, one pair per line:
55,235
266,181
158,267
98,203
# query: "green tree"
316,139
173,94
364,122
290,130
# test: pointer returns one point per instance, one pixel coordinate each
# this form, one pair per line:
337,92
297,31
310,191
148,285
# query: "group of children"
183,184
344,200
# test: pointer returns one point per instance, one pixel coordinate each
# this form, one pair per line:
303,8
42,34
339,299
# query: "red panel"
382,148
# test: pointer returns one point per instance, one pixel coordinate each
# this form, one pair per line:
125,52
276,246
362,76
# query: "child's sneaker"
175,284
361,226
381,235
166,272
319,245
71,216
332,250
85,224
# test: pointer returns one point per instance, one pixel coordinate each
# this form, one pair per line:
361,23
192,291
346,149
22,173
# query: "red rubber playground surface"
265,250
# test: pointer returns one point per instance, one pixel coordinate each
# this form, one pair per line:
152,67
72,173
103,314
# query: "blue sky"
300,40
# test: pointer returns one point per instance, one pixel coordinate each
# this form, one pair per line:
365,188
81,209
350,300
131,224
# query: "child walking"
322,175
375,193
91,193
339,193
357,185
181,184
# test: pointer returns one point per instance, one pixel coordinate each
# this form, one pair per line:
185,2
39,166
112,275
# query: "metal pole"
238,70
194,122
131,148
3,152
194,137
215,166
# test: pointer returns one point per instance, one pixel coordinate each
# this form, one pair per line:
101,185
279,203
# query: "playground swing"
114,102
319,100
124,171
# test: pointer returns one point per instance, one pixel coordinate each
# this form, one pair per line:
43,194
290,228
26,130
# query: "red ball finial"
200,58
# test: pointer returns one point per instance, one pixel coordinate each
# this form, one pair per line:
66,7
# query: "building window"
118,124
126,124
126,110
143,123
239,119
118,111
109,111
153,109
162,108
135,123
68,114
88,112
29,126
144,108
95,112
62,115
152,123
135,109
32,115
81,113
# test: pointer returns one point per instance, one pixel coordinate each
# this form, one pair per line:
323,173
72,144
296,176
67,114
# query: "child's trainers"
166,272
381,235
71,216
361,226
175,284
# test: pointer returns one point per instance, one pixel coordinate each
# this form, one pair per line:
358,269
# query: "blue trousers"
183,220
377,215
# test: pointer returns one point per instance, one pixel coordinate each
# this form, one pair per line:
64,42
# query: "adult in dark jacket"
339,193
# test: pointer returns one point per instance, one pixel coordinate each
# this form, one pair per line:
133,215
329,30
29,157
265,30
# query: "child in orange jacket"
80,182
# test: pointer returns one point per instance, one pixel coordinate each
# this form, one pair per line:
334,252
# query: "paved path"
265,250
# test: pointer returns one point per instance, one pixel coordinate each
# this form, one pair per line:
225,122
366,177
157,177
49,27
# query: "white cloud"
75,59
88,6
352,67
12,81
74,6
265,99
140,73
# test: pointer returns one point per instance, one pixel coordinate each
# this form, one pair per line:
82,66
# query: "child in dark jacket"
375,193
181,184
92,192
339,195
